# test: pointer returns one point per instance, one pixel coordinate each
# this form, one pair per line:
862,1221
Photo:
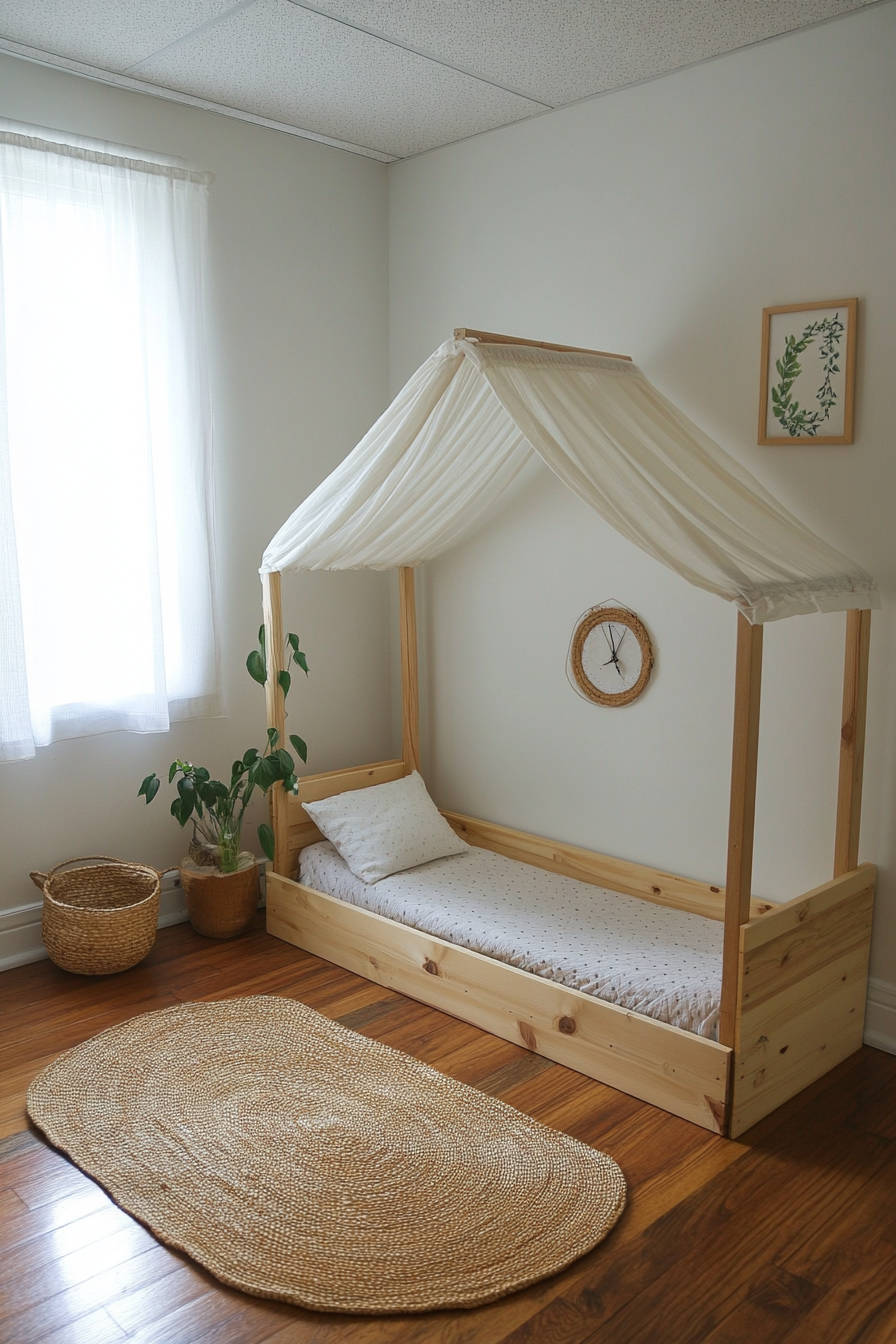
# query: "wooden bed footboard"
802,983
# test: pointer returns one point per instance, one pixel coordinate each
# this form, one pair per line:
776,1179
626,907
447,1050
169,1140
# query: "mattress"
647,958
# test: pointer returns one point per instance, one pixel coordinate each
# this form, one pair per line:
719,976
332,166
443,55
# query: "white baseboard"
880,1016
20,936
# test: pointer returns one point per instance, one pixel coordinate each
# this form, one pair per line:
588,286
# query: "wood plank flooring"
786,1236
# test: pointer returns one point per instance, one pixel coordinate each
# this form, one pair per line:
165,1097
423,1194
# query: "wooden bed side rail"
802,985
300,831
633,879
677,1070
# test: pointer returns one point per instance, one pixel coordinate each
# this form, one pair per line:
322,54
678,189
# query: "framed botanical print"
807,388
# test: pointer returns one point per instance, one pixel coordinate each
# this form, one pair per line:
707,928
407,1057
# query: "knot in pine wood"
527,1035
430,967
567,1025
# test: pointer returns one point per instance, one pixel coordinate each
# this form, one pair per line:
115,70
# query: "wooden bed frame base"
794,976
803,974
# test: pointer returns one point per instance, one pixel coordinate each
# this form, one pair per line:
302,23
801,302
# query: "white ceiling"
389,78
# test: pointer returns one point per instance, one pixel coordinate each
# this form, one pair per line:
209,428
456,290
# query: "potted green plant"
219,879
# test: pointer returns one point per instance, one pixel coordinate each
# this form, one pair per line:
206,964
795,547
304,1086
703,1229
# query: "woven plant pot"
220,905
101,918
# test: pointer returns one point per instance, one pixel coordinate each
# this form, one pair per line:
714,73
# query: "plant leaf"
181,811
256,667
250,757
260,774
266,840
299,657
299,747
149,787
284,680
273,738
293,642
173,771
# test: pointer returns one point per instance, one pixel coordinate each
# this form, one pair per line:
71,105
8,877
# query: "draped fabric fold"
470,418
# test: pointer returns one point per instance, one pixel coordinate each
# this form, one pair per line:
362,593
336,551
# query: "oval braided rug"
298,1160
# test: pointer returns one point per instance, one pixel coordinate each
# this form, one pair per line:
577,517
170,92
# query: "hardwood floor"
788,1234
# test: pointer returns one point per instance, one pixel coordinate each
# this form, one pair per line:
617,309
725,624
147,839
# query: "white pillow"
386,829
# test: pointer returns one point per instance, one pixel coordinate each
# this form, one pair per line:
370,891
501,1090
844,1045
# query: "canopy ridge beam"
742,814
410,697
852,741
276,710
493,338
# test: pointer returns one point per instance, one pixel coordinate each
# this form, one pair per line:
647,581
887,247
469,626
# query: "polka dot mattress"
664,963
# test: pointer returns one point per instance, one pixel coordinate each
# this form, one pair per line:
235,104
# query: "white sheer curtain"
107,580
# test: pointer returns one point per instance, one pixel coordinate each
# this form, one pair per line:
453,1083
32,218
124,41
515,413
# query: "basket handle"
38,879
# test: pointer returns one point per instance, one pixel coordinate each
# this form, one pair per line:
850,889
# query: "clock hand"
615,662
618,647
608,632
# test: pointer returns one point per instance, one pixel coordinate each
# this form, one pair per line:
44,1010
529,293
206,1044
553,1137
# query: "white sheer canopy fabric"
468,420
106,544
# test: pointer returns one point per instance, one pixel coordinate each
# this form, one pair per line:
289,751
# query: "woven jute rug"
298,1160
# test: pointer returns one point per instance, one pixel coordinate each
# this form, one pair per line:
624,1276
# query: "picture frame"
808,373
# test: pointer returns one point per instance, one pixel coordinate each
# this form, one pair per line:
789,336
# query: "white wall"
298,313
658,221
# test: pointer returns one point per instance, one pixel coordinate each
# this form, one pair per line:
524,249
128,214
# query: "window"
106,563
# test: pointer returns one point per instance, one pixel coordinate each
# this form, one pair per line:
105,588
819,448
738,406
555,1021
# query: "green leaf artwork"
800,421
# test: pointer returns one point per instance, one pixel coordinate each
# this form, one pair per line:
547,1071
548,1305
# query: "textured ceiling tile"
558,51
280,61
427,72
111,34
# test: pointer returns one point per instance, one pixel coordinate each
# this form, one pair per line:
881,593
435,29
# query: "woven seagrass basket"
100,918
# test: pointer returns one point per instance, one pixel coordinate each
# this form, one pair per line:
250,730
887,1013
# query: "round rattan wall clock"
610,657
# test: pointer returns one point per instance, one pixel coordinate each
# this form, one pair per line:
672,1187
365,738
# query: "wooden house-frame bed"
794,976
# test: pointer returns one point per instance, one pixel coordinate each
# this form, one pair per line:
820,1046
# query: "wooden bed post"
744,756
410,700
273,644
852,741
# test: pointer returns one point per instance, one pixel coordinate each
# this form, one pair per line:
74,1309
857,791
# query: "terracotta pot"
221,905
